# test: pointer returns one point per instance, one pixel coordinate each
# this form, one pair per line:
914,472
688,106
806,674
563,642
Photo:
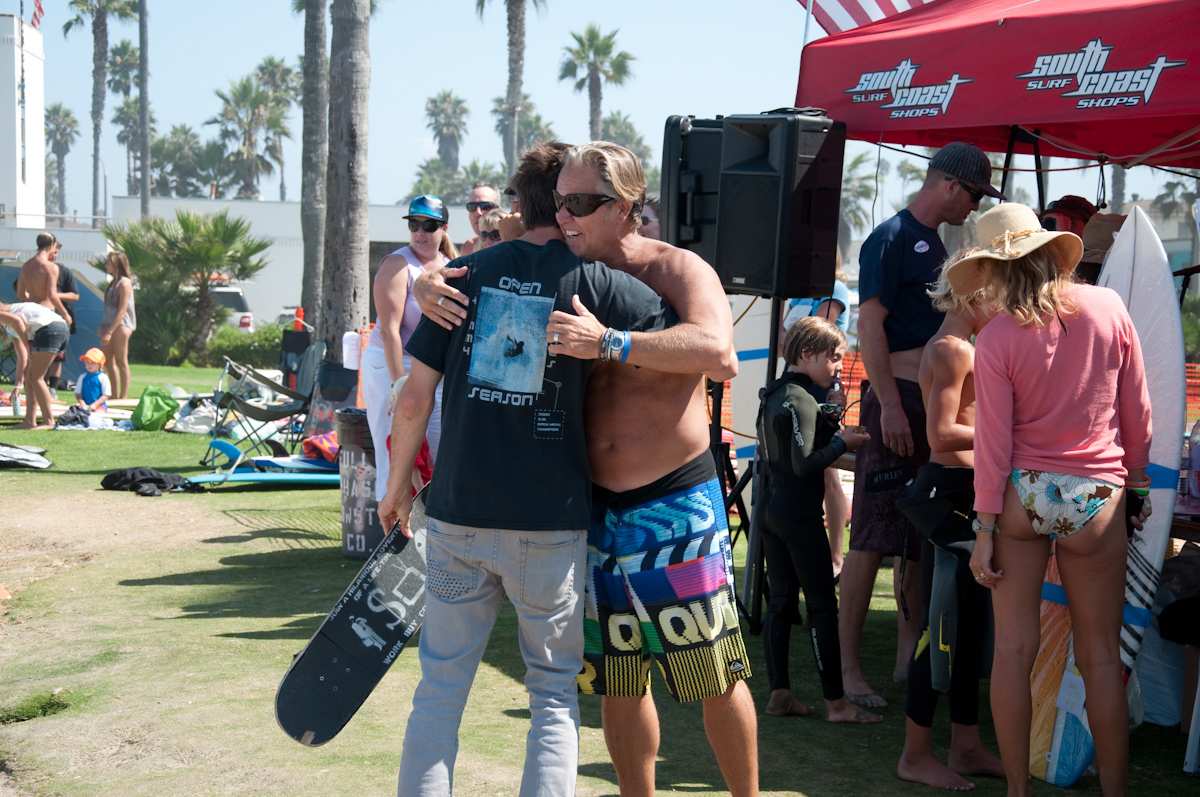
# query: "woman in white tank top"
396,316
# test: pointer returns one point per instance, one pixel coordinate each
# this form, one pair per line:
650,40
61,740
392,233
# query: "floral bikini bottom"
1059,504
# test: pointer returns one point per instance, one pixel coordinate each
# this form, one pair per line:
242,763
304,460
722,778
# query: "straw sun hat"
1008,232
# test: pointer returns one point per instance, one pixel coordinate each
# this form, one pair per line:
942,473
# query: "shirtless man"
898,261
656,489
942,496
38,280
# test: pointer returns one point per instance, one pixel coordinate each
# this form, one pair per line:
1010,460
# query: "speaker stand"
750,603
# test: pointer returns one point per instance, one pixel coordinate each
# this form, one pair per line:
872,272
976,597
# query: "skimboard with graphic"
1061,744
369,626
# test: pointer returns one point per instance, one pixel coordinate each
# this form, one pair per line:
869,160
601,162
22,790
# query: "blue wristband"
626,344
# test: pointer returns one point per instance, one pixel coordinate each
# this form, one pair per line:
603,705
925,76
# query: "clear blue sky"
702,57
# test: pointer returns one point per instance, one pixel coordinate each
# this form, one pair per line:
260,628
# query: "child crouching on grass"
93,389
800,436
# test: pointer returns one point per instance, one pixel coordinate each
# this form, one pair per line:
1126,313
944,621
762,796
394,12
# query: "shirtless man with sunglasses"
656,499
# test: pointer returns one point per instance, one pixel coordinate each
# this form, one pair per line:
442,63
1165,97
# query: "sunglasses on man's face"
482,207
579,205
428,225
490,235
976,194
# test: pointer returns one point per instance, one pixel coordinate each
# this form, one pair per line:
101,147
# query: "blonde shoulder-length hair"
1032,289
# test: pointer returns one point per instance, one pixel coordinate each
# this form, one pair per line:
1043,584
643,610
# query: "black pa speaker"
757,196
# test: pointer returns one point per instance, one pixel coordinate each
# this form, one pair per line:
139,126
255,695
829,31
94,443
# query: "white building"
23,154
278,285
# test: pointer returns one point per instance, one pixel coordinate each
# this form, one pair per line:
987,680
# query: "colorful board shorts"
880,476
660,586
1060,504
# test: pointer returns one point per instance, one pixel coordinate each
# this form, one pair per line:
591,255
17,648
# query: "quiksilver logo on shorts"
895,90
1085,72
736,666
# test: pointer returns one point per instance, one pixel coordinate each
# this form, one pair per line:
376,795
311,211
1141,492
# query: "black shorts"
50,338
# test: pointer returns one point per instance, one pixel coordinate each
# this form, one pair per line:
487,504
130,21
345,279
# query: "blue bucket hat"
428,206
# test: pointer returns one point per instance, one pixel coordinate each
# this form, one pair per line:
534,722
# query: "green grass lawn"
168,648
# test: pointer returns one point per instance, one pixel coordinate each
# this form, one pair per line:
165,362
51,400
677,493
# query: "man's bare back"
947,382
642,424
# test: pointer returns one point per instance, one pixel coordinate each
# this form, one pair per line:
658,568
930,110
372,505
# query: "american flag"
838,16
38,12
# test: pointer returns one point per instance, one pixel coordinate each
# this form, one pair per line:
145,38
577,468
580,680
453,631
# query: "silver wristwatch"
979,528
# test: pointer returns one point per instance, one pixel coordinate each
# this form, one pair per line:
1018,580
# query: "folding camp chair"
241,406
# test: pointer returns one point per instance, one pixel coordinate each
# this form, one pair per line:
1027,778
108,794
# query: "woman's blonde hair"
945,300
490,221
811,335
121,260
618,167
1031,289
447,247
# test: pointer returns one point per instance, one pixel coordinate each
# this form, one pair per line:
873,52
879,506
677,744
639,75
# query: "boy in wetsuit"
801,437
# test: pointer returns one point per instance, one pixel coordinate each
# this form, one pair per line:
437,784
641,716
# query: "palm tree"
314,154
62,131
123,62
245,109
345,289
858,194
127,118
477,172
1176,199
52,195
434,177
513,95
531,128
214,169
594,55
97,13
446,115
619,129
282,83
144,96
175,157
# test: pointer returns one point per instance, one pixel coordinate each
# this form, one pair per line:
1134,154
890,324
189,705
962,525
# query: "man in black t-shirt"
68,292
509,508
898,262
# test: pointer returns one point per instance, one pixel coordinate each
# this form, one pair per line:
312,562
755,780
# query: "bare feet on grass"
843,711
976,761
928,771
783,703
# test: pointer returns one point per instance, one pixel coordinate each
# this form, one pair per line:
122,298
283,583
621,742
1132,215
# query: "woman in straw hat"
1062,434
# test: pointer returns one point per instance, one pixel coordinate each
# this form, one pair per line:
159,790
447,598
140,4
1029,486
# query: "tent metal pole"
1041,177
1008,156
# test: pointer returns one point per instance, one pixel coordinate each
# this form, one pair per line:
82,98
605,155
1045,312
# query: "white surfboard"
1137,268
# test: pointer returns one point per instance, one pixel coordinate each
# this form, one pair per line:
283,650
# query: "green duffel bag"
154,408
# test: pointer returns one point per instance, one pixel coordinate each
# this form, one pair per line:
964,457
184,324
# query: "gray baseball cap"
968,163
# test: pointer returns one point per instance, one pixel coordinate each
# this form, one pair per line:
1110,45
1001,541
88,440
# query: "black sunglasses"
428,225
481,206
579,205
976,194
490,235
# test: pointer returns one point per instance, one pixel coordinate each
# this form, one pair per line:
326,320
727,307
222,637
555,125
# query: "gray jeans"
470,569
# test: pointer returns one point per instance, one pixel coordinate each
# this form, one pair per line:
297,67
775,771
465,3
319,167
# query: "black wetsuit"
797,437
953,652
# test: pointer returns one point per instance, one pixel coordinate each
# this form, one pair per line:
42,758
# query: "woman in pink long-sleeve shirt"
1062,427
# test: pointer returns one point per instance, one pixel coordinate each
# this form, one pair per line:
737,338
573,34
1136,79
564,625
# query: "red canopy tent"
1115,80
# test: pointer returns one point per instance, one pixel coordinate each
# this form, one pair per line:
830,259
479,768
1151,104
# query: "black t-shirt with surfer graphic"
513,453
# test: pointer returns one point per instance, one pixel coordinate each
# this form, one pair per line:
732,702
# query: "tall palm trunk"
61,164
314,157
1118,188
99,87
347,273
516,75
144,96
282,180
595,92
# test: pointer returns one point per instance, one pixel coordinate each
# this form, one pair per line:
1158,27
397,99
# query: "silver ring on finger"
555,338
441,301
